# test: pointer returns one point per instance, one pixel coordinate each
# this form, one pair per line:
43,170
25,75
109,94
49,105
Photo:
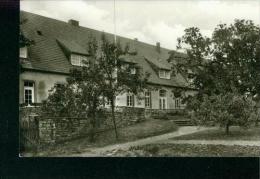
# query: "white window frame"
133,70
164,74
162,100
148,99
130,102
177,103
29,88
23,52
78,60
124,66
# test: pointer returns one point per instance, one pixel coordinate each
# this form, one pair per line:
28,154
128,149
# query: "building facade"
59,46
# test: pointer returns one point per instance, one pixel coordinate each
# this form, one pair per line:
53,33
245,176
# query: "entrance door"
162,99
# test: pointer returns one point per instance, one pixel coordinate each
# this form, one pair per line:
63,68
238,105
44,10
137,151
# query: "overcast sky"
149,21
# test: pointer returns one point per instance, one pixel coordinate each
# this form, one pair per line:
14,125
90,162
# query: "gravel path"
214,142
97,152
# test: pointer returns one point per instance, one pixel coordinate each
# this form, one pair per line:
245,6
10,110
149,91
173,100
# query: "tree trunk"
93,122
113,117
93,129
227,128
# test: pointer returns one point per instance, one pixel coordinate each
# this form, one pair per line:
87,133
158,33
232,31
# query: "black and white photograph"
122,78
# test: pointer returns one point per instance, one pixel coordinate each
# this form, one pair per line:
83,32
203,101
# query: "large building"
58,46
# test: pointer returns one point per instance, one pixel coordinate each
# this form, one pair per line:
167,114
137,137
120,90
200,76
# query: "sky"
148,21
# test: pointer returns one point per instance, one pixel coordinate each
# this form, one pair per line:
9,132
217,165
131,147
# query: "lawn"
236,133
187,150
151,127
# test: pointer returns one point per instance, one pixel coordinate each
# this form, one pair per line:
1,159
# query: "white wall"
43,82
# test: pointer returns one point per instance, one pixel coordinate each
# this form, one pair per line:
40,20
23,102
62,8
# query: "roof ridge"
49,56
100,31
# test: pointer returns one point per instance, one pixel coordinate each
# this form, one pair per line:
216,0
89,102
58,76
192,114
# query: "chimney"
135,39
158,48
73,22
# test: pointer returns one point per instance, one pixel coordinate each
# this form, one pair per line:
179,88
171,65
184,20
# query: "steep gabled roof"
52,36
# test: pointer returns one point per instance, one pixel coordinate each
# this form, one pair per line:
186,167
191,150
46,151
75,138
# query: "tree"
86,87
62,101
80,96
226,69
231,56
117,75
224,110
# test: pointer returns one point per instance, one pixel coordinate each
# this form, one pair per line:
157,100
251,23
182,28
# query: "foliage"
101,80
230,58
224,109
225,70
117,73
62,102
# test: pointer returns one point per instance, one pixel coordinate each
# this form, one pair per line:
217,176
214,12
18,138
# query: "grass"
236,133
151,127
190,150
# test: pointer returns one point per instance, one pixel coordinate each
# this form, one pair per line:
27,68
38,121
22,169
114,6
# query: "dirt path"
97,152
214,142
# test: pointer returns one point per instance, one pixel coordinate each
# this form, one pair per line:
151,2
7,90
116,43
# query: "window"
162,99
125,66
133,71
177,103
148,99
130,100
28,92
190,76
162,93
79,60
164,74
108,102
23,52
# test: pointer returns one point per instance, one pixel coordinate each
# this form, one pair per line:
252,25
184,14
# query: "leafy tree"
80,96
224,110
226,71
105,76
62,102
118,77
230,58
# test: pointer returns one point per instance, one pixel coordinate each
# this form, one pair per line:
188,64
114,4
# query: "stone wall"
53,129
58,129
26,112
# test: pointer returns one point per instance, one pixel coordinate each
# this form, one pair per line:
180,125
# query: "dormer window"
127,67
190,76
23,52
133,71
124,66
164,74
79,60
